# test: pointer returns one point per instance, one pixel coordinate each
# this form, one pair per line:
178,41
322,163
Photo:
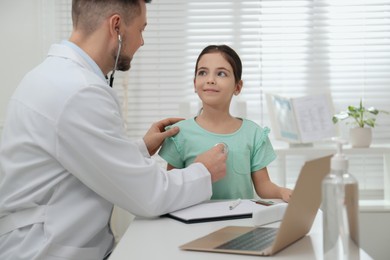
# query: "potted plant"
363,120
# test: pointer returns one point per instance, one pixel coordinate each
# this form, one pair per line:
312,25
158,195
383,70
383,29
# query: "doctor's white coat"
65,160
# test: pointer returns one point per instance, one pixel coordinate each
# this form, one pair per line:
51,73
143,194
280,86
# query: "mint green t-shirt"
249,150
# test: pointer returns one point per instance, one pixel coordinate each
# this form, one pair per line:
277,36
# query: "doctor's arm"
214,160
93,146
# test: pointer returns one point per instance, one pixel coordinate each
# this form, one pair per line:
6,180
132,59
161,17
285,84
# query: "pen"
234,204
264,202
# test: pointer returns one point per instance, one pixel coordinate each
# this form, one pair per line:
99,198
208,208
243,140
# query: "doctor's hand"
215,161
156,134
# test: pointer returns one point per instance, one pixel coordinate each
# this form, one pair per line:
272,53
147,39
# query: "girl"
218,72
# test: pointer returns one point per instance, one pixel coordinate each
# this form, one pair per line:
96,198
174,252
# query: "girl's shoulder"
184,123
251,128
253,125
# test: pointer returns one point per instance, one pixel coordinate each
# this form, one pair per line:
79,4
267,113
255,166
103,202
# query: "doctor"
64,156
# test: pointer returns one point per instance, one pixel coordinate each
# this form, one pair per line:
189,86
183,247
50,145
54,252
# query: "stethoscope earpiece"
116,59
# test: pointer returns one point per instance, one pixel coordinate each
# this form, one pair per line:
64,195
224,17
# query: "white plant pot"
360,137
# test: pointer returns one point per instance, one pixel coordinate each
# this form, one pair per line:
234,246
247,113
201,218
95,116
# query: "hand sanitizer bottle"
340,205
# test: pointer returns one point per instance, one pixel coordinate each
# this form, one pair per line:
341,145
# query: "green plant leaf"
360,116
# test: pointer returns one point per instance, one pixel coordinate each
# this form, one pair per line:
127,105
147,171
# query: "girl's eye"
201,73
222,74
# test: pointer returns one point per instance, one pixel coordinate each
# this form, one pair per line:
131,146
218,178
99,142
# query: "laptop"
296,223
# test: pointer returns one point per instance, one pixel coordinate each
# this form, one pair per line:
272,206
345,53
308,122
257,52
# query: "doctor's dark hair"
229,54
87,15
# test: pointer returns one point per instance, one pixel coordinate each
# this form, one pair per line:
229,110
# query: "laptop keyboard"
255,240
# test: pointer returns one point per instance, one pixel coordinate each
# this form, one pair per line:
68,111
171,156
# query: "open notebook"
219,210
296,223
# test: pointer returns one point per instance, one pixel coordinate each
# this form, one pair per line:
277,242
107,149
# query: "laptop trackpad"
221,240
255,240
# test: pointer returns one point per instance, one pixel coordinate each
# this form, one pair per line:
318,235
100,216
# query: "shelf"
316,151
374,206
331,149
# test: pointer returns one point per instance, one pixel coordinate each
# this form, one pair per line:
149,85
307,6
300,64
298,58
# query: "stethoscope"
225,147
116,60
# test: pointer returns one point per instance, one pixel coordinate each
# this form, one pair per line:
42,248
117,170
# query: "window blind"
338,46
292,48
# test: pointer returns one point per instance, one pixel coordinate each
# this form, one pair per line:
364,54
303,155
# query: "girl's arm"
266,189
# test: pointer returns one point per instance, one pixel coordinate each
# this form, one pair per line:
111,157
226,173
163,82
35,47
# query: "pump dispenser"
340,205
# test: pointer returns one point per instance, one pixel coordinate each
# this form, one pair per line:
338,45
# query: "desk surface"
160,239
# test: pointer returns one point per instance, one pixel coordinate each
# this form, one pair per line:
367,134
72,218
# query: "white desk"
160,239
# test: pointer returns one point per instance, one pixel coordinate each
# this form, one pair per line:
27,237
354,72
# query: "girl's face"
214,81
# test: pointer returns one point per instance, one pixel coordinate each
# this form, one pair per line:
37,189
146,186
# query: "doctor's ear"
115,23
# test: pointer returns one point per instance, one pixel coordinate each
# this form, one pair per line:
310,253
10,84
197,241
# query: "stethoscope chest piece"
225,147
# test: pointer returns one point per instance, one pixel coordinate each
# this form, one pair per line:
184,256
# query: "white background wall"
20,46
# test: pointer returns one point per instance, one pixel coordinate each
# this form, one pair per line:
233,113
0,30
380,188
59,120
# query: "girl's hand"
285,194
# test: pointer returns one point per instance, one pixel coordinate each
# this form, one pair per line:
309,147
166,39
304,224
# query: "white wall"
21,45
